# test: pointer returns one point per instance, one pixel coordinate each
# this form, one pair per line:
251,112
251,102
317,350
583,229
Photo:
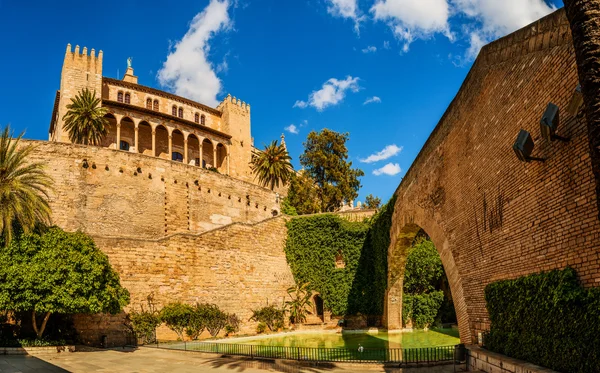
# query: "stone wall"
491,216
480,360
238,267
110,193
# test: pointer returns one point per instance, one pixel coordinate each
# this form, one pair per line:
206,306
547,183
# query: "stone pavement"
146,360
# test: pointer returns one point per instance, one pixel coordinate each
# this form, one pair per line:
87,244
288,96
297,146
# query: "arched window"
203,120
177,157
120,96
197,118
155,105
174,111
127,98
180,112
124,145
149,103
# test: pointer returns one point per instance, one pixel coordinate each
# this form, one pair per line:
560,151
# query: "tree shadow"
241,364
27,364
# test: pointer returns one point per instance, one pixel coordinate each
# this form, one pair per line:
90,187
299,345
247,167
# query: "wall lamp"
523,147
576,101
549,124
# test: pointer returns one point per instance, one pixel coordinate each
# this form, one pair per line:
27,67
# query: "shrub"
233,323
261,327
421,308
144,324
271,316
215,319
547,319
198,320
177,317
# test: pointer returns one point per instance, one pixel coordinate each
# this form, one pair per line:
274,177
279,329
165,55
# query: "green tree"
53,271
197,320
272,165
325,161
84,120
298,306
302,194
423,268
372,202
271,316
24,187
177,317
216,320
584,18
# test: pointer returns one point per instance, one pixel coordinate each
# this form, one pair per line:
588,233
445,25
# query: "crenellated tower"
236,122
80,70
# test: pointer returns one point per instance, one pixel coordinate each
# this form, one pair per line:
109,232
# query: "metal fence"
402,356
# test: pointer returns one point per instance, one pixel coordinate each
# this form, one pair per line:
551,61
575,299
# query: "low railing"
402,356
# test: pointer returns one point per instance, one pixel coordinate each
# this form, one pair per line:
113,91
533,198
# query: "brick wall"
490,216
115,199
238,267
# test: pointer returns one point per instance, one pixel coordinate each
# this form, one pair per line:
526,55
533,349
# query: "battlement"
234,101
83,57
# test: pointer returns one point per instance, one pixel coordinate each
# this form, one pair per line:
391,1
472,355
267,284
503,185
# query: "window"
180,112
197,118
177,157
124,146
174,111
155,105
120,97
203,120
149,103
127,98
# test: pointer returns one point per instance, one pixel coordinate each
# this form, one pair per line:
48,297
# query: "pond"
352,340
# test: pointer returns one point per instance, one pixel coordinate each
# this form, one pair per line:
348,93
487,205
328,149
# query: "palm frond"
84,120
272,166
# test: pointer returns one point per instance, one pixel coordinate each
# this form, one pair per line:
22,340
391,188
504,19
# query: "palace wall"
122,194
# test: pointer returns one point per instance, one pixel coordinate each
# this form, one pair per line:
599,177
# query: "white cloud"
414,19
346,9
372,100
292,129
332,93
390,169
387,152
386,45
497,18
187,70
370,49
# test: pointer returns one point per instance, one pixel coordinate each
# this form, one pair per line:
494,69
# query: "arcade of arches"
166,142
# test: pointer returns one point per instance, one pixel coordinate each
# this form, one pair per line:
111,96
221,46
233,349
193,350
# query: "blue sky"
382,70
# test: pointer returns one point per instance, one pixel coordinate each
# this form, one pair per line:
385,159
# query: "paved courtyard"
149,360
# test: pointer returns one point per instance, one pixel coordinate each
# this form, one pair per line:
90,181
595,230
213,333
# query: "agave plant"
24,188
85,121
299,305
272,165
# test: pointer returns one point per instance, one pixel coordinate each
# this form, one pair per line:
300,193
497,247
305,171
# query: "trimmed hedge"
546,319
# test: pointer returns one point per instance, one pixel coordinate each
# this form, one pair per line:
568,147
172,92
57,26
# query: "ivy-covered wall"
314,242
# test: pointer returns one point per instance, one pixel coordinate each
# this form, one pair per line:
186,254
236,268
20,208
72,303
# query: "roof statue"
129,59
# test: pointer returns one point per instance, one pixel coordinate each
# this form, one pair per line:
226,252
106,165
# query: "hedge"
547,319
311,248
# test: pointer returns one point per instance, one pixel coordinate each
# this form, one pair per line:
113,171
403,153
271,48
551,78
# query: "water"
382,340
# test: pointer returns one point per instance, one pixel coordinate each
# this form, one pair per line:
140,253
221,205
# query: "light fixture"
549,123
576,101
523,147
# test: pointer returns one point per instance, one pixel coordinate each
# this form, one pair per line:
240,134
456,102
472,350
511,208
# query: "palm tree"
584,17
272,165
23,188
300,302
85,119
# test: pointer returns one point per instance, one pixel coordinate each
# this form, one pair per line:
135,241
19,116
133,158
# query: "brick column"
136,145
118,146
228,156
170,147
200,149
153,143
215,157
185,151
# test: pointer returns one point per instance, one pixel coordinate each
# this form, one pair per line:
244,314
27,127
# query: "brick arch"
406,223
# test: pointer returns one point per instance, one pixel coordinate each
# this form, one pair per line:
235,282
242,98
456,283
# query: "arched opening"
127,98
144,138
174,111
177,146
220,162
207,154
110,139
413,248
149,103
120,96
318,306
203,120
127,138
180,112
197,118
155,105
162,142
193,150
